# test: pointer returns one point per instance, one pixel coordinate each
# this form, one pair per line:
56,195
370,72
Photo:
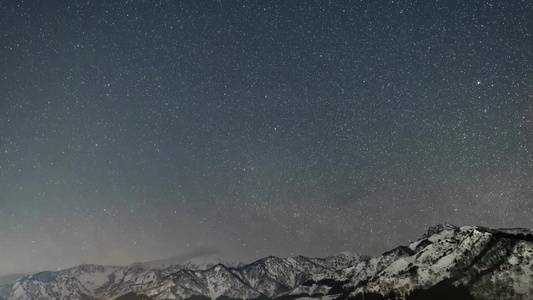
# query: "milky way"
138,130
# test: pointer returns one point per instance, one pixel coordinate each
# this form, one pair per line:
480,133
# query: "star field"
139,130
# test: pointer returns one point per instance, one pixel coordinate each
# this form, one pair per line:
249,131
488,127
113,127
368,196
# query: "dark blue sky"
136,130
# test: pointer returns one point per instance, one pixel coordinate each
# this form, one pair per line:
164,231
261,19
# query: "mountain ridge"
477,261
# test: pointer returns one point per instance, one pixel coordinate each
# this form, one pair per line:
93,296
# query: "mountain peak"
439,228
198,262
348,254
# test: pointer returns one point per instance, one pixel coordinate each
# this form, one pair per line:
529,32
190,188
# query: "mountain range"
447,262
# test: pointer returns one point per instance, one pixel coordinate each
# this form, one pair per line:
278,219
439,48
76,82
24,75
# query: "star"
181,126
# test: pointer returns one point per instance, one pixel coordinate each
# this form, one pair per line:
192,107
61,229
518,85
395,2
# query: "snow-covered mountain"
489,263
193,278
481,263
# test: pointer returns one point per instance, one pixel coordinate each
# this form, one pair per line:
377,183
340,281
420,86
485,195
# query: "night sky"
139,130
